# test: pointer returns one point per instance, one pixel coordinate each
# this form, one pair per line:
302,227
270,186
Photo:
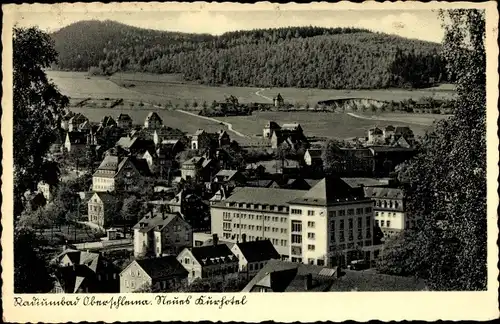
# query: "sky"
421,24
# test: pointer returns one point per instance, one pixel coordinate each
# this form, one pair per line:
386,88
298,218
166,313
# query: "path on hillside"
387,119
262,96
229,125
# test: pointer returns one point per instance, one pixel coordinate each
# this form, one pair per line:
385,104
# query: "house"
368,182
291,134
75,121
375,136
192,207
117,169
124,121
85,127
223,138
233,177
284,276
262,183
404,132
161,233
46,190
213,261
201,140
296,184
312,157
198,167
256,213
389,132
254,255
75,142
153,121
278,101
163,274
165,134
108,121
389,210
85,272
100,206
386,158
269,129
65,120
221,194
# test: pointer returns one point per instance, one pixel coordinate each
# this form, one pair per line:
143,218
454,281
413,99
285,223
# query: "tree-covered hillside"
336,58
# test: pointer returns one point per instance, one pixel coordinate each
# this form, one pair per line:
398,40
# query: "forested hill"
339,58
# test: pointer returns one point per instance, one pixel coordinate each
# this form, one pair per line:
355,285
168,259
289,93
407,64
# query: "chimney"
151,212
243,238
163,213
215,238
308,282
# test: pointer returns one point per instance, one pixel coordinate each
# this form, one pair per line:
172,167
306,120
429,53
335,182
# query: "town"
169,211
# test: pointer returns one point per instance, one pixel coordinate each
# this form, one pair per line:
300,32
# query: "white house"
253,255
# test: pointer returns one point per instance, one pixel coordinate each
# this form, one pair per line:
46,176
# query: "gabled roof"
126,142
255,251
328,191
105,197
213,254
156,222
284,276
365,182
77,138
153,115
390,128
375,131
403,130
389,193
158,268
108,121
227,173
142,166
290,127
315,153
260,183
199,132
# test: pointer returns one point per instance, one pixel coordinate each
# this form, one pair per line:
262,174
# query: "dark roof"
153,115
365,182
158,268
124,117
77,137
329,190
315,153
142,166
156,222
389,128
106,197
380,149
375,131
260,183
255,251
107,121
389,193
284,276
264,196
403,130
213,254
371,281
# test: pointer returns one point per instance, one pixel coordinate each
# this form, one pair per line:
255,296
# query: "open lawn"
332,125
160,89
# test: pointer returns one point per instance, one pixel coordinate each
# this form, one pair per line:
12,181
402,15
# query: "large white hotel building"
329,223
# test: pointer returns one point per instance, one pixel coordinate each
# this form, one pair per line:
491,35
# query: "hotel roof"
263,196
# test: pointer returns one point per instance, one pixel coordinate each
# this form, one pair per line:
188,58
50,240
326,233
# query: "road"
262,96
386,119
229,125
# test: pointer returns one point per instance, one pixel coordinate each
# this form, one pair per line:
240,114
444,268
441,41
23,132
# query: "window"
388,223
351,235
296,250
311,236
368,210
360,233
359,211
320,262
368,232
310,261
341,224
296,211
342,237
186,260
368,219
138,273
360,222
341,212
296,239
350,223
382,223
350,211
226,226
310,224
310,247
296,226
126,283
332,213
310,213
132,284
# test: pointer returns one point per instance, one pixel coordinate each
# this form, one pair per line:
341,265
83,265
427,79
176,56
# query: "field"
332,125
160,89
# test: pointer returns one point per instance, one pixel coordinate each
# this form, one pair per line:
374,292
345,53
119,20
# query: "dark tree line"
329,58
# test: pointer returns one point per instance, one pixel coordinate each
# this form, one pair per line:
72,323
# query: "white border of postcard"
289,307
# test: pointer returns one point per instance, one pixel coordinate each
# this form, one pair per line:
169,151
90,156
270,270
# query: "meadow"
320,124
150,90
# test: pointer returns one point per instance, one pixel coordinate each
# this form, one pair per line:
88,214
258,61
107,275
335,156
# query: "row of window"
350,223
377,214
385,204
350,236
227,226
236,237
227,216
258,206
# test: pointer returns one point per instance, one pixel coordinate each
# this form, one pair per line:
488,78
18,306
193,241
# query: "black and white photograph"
188,149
